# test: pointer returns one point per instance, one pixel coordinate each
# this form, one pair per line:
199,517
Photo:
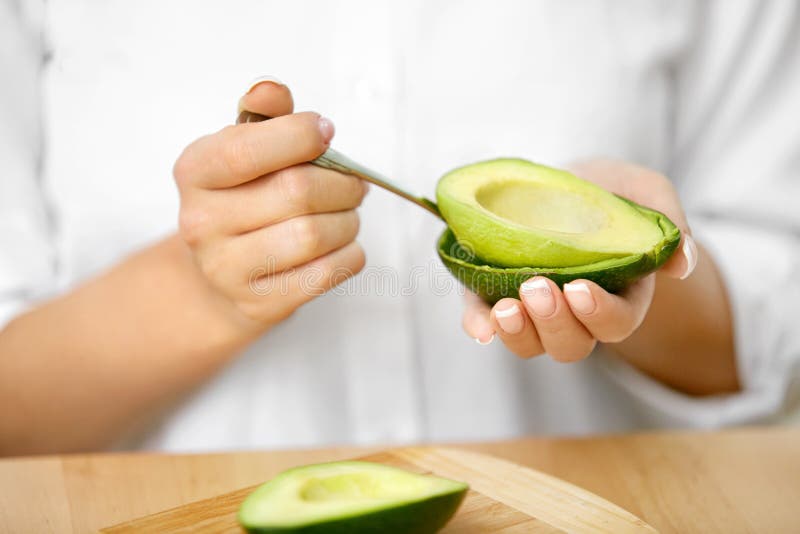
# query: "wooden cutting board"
503,497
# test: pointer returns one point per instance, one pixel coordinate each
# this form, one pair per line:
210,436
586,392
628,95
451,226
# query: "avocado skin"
493,283
421,517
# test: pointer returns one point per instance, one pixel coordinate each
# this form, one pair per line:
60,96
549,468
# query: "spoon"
337,161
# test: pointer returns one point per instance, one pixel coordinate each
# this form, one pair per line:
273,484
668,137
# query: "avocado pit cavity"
537,207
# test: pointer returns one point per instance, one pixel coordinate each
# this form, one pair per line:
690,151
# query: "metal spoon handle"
337,161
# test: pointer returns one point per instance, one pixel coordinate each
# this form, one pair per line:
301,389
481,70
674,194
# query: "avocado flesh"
514,213
351,497
510,219
493,283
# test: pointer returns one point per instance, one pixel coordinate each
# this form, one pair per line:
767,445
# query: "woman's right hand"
269,230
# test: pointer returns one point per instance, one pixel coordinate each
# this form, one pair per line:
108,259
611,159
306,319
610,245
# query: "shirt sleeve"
737,166
27,261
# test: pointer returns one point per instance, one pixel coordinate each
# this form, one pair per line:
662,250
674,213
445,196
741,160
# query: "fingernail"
579,297
538,296
326,128
690,253
262,79
510,319
479,341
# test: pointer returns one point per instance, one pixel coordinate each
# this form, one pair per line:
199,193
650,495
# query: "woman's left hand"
567,324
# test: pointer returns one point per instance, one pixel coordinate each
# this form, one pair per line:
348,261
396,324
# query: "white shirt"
703,92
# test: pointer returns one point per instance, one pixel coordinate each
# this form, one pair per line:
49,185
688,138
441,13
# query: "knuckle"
235,154
193,225
349,266
297,187
307,234
338,268
185,168
213,266
359,259
550,329
355,224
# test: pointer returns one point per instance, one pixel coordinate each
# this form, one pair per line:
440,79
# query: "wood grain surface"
744,480
503,497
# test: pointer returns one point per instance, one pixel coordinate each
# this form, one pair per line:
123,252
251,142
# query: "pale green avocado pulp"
510,219
351,497
514,213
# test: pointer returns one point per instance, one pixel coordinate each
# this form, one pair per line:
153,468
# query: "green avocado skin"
422,517
493,283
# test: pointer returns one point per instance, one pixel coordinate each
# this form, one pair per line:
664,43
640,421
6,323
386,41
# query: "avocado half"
511,219
351,498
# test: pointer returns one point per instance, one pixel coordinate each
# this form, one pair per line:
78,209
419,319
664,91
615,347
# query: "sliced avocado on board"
511,219
351,497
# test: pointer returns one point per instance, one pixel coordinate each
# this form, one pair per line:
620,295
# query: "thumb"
683,262
648,188
267,96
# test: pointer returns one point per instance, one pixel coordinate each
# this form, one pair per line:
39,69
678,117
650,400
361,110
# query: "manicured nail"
538,296
690,253
262,79
510,319
479,341
579,297
326,128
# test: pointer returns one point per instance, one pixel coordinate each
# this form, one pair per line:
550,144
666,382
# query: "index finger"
609,318
240,153
267,96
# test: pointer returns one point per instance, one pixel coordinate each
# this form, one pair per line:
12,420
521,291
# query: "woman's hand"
567,324
266,232
269,230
